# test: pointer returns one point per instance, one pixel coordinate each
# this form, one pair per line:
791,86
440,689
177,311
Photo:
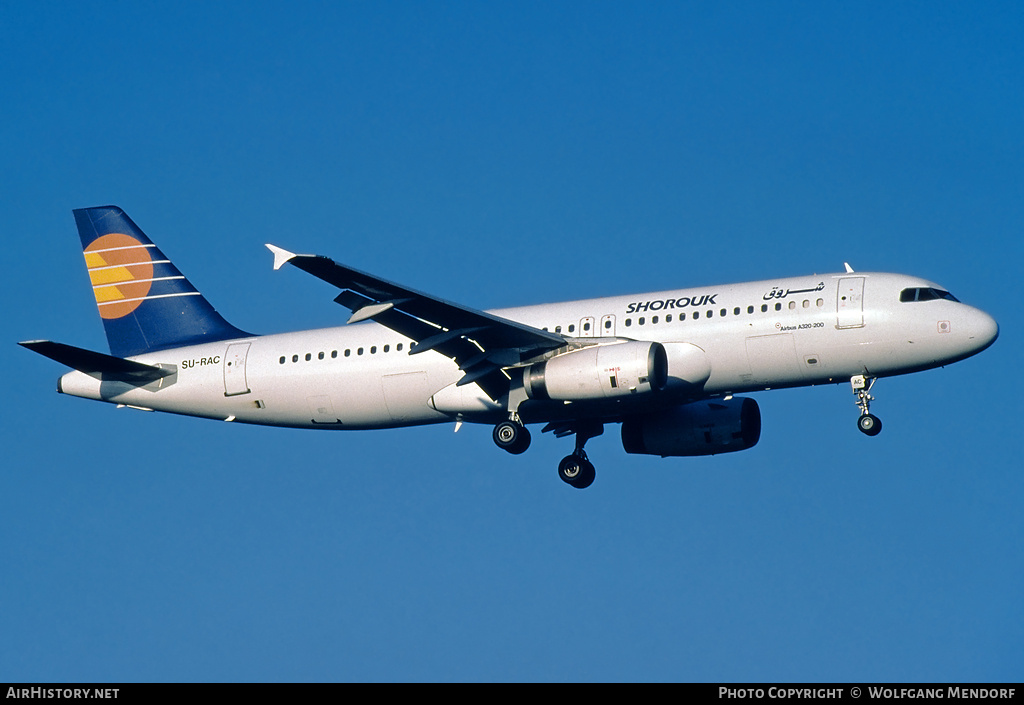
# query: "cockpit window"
925,294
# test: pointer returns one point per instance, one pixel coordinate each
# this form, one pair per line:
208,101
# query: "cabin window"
373,349
668,318
764,308
696,315
359,351
640,321
792,305
778,307
386,348
572,327
607,324
750,309
398,347
320,356
282,359
654,319
334,353
629,322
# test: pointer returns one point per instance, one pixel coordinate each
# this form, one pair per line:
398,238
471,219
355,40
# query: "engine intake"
700,428
599,372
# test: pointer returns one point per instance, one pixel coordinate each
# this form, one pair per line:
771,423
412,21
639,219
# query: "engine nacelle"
599,372
700,428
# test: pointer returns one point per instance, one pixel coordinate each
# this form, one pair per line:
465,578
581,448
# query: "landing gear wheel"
511,436
577,471
869,424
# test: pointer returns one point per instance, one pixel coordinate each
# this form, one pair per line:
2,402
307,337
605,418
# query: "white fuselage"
754,336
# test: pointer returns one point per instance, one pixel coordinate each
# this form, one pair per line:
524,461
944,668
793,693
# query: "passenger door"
234,370
850,303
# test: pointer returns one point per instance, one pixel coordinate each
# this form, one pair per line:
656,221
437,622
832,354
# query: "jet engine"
599,372
700,428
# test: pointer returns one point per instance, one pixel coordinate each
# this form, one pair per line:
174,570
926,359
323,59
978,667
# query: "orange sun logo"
121,271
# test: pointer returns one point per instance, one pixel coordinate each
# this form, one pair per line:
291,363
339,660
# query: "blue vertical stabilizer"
146,304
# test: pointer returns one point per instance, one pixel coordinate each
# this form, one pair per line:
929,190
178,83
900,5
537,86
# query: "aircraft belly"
371,399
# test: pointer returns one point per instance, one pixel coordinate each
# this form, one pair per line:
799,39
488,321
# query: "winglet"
281,256
849,269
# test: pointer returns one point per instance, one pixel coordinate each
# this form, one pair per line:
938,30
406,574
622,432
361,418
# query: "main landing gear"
868,423
511,435
575,469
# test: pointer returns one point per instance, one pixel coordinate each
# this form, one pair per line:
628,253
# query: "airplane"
667,366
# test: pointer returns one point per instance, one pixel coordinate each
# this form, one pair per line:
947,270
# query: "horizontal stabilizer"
97,364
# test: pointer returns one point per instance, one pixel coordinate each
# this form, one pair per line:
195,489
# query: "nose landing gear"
868,423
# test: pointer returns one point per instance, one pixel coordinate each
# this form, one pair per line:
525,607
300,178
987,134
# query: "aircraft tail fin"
145,302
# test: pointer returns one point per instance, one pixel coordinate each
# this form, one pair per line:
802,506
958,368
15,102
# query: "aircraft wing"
481,343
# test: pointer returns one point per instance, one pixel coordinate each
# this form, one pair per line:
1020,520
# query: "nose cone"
983,330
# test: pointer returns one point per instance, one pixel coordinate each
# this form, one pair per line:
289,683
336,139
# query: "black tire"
869,425
511,437
576,471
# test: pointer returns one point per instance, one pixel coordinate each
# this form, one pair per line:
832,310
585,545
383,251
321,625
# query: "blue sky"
498,156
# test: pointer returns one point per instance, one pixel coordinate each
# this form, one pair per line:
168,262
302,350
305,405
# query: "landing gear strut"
511,435
576,469
868,423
